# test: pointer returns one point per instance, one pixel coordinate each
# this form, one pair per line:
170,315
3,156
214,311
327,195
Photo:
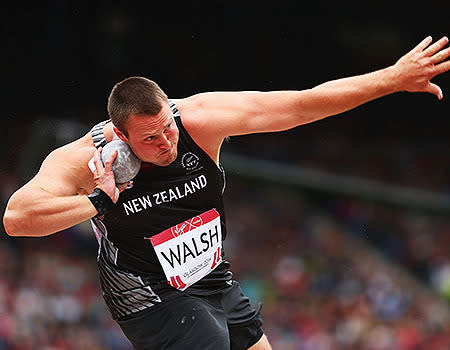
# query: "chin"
169,160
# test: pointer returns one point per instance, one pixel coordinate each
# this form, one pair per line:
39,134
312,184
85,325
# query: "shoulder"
70,163
82,149
78,151
192,112
197,103
219,107
195,117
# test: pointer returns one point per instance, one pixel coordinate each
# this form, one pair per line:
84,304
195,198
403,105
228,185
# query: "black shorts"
224,320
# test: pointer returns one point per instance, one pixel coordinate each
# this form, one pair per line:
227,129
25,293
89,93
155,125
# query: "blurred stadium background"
340,227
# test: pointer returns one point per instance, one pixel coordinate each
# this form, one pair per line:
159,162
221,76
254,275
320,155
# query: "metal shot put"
126,165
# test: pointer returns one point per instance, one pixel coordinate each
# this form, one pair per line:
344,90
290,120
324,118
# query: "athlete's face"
153,139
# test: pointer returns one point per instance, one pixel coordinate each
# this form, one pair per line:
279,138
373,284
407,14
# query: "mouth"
167,151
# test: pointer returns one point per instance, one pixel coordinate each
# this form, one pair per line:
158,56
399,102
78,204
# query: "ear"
120,134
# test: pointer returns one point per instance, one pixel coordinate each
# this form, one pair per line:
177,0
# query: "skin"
56,198
153,139
262,344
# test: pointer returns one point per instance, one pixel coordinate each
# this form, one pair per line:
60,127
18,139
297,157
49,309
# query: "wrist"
101,201
392,79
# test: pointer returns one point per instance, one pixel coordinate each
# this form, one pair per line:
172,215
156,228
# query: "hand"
104,176
123,187
421,64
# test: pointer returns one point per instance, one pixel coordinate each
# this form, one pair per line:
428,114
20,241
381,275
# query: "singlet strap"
97,134
174,109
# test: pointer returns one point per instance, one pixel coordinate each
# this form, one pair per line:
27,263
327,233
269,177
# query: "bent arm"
33,212
237,113
49,202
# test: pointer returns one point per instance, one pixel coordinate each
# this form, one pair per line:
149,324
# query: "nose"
165,143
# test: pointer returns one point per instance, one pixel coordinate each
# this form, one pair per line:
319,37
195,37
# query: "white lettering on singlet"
136,205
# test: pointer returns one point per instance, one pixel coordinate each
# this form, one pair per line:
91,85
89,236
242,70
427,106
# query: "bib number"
190,250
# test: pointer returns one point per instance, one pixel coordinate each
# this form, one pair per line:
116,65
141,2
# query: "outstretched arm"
237,113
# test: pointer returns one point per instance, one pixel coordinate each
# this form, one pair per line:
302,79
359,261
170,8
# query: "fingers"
441,68
423,63
110,161
438,45
116,195
123,187
440,56
434,89
97,159
423,44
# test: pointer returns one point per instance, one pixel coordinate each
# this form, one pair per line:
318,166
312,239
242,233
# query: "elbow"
12,224
8,224
16,224
17,217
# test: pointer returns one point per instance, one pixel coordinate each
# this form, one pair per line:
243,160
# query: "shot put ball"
126,165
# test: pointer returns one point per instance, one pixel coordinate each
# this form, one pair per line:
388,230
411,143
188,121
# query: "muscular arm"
49,202
237,113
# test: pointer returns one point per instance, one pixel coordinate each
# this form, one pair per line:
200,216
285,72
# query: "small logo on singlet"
186,226
190,161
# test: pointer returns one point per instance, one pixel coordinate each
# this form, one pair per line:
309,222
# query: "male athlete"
162,269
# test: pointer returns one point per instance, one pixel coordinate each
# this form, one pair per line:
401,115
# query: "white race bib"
190,250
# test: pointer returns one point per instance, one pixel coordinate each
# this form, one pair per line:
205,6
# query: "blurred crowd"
50,296
323,284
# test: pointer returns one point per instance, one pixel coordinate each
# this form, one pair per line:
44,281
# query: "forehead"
150,124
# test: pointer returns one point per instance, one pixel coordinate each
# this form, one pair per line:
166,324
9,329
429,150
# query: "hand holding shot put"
182,184
104,175
115,166
125,165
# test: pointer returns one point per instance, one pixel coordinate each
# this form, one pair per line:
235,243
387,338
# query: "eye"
149,138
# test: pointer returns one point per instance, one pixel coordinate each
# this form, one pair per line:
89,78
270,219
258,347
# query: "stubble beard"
170,158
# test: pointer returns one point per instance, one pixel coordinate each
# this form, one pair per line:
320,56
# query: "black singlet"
131,275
